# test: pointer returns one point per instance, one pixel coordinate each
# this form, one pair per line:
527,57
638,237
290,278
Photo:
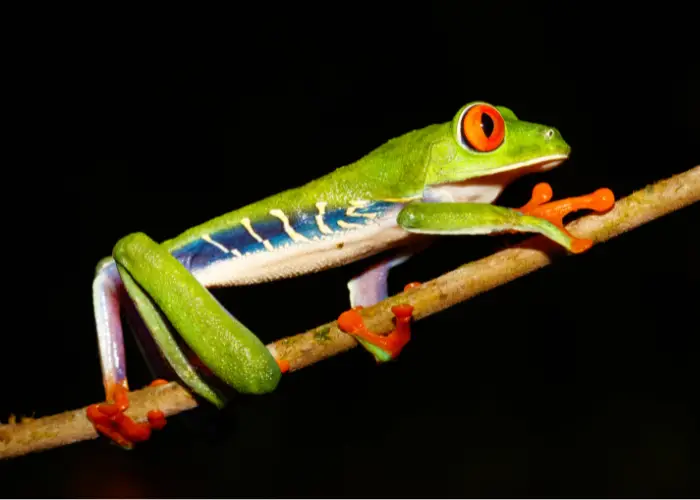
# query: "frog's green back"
394,171
479,141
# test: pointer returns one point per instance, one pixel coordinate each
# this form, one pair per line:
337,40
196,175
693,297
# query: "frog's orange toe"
602,200
541,194
413,284
402,311
283,364
110,420
351,321
156,419
580,245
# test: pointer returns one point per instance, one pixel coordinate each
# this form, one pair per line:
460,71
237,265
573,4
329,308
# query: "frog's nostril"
549,133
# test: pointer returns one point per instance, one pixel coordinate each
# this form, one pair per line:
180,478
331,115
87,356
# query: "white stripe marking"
359,204
218,245
246,224
221,247
321,205
287,226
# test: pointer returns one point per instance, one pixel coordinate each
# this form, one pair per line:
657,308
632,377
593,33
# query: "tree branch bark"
649,203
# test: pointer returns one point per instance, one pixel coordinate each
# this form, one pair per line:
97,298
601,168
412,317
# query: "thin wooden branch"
656,200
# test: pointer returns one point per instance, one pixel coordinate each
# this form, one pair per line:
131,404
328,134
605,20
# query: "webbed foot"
555,211
110,420
383,347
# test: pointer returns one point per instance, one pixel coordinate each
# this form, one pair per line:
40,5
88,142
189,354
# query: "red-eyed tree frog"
438,180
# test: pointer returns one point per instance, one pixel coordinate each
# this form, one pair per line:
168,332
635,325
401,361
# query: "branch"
307,348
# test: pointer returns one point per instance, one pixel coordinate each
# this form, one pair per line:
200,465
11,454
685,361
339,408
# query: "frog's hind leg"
108,290
372,284
110,419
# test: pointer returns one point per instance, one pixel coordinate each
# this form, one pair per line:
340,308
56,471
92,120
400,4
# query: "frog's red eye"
483,128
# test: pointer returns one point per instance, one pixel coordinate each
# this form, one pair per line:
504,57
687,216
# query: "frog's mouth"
487,186
549,165
541,164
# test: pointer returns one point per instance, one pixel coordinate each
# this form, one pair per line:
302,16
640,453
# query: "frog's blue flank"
238,241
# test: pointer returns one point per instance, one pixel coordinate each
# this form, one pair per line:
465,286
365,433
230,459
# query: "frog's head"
483,140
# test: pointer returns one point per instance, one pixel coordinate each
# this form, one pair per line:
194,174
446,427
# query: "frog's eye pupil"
483,128
487,124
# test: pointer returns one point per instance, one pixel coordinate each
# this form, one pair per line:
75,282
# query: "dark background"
578,380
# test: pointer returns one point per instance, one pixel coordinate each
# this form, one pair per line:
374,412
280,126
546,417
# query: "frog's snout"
552,135
555,141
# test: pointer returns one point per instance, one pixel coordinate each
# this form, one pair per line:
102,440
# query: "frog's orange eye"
483,128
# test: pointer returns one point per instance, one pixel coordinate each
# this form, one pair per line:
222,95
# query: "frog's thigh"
372,285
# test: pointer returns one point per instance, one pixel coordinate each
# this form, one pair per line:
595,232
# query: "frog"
439,180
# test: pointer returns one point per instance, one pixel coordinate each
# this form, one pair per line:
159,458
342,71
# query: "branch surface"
304,349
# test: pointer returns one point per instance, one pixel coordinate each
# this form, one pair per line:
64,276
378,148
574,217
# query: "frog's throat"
540,164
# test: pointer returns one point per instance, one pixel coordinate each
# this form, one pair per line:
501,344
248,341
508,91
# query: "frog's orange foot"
283,364
413,284
389,346
554,211
110,420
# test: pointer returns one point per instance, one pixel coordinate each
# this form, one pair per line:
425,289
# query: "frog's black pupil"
487,124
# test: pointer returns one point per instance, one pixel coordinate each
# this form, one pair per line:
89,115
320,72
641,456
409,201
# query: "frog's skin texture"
441,179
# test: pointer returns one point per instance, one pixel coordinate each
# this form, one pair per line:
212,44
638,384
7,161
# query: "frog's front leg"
537,216
162,288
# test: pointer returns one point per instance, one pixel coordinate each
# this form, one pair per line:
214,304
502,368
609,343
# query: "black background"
578,380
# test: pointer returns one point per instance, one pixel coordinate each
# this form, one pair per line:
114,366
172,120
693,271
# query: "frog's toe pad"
156,419
602,200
